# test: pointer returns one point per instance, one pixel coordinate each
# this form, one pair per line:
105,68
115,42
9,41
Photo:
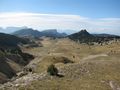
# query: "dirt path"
94,56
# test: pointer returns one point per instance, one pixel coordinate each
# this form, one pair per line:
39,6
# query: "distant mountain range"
9,30
35,33
82,36
53,33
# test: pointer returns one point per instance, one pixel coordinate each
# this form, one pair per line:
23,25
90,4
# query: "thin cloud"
60,21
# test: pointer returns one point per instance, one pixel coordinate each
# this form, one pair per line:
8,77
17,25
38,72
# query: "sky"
97,16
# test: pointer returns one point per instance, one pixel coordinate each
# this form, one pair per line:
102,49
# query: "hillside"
12,59
11,40
35,33
85,37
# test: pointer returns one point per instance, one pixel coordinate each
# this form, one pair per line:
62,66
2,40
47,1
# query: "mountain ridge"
85,37
81,36
36,33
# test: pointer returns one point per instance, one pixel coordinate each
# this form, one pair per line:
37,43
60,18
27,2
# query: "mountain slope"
52,33
27,32
83,36
35,33
11,40
12,59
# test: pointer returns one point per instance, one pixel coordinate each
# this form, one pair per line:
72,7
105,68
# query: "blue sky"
95,15
87,8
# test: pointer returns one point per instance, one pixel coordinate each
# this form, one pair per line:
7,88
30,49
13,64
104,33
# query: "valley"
89,67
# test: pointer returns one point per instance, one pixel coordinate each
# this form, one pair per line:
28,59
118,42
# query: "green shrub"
52,70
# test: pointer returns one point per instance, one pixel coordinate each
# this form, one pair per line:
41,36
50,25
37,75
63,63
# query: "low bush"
52,70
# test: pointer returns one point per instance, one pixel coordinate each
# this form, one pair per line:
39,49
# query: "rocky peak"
83,33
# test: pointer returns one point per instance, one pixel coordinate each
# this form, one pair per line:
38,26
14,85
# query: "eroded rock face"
11,63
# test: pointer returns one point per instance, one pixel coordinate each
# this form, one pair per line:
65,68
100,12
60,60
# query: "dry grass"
90,74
